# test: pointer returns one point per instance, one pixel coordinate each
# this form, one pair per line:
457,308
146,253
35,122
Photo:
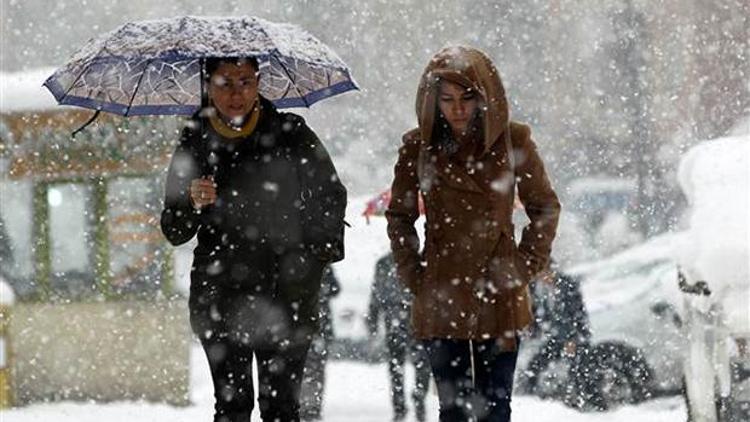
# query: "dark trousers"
265,309
398,345
279,377
314,380
486,397
233,334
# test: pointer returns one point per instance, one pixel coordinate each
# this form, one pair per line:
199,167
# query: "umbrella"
156,67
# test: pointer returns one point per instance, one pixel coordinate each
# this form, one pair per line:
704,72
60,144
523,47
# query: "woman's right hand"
202,192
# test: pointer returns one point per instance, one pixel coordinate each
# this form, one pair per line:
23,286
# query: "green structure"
96,315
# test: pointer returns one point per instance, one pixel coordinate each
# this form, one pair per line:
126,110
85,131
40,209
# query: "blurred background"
616,91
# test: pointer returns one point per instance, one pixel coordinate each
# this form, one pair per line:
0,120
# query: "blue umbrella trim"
188,110
316,96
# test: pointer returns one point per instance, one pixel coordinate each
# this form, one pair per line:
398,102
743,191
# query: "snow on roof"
716,171
23,91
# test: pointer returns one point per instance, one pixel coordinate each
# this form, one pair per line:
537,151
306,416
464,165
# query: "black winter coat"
277,188
561,310
280,207
390,300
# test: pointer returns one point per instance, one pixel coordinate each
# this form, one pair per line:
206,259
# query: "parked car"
678,304
635,346
593,198
628,297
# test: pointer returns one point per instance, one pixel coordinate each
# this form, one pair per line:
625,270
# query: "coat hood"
471,68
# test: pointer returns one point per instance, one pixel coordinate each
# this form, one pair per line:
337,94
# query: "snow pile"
23,91
7,296
715,176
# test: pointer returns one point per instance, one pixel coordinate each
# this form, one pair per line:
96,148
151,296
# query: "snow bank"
715,176
23,91
7,296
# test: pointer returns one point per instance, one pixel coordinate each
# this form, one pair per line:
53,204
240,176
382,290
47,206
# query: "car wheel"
620,375
552,381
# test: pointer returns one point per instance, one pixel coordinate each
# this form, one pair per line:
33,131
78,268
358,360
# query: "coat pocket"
428,270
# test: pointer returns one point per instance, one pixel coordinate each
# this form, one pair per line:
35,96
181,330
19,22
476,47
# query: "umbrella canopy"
155,67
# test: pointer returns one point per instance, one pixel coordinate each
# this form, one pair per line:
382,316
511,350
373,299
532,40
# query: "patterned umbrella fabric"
154,67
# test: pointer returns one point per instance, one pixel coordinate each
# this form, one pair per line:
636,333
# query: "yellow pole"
6,392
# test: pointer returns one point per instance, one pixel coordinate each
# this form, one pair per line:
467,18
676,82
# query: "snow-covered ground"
355,393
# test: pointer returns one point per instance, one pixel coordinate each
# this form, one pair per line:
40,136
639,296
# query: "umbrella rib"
72,84
276,51
104,47
137,87
85,68
294,84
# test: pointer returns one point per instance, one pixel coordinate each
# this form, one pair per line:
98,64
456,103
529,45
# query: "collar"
227,131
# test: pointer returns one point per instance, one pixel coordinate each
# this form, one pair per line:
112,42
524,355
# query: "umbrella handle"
207,170
91,120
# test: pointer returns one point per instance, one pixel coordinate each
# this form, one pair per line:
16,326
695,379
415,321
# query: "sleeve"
330,284
179,220
579,317
539,200
403,212
324,199
569,316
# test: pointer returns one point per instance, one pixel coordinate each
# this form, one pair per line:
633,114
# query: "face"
233,89
458,105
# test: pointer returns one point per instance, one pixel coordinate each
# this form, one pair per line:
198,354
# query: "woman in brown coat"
470,282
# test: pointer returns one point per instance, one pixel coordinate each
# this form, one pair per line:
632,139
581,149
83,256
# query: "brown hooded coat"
471,280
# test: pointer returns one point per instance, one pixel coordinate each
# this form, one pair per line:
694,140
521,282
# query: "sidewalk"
356,393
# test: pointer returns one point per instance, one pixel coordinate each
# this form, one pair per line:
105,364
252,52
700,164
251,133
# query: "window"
71,239
16,254
136,243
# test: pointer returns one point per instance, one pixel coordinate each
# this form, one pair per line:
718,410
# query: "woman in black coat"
261,193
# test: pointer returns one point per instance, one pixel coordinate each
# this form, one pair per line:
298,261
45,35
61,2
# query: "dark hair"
442,134
213,63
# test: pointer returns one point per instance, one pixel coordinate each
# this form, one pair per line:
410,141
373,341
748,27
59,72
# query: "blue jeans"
486,397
